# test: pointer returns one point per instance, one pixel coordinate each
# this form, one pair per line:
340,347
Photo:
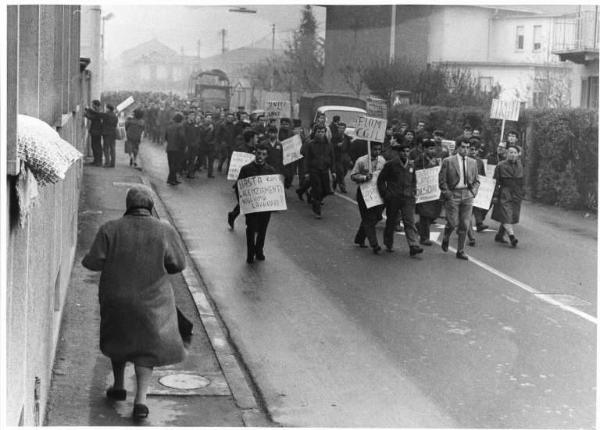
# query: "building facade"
509,47
45,80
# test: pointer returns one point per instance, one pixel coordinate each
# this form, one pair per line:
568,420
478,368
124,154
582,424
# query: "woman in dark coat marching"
508,195
428,211
137,306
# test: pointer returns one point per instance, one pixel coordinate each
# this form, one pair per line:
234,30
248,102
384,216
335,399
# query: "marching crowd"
195,140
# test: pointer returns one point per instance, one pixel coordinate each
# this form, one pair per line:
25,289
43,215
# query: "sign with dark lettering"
370,192
369,128
505,109
238,159
483,199
428,187
263,193
291,149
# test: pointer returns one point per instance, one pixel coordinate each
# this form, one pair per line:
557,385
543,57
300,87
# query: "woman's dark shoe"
513,241
116,393
140,411
377,250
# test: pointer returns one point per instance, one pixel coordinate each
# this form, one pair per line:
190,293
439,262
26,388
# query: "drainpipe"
393,35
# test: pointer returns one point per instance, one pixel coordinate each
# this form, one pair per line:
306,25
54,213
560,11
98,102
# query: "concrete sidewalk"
209,388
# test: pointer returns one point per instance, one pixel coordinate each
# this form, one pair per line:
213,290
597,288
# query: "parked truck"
210,89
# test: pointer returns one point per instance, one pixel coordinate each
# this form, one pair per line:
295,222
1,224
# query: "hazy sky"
183,25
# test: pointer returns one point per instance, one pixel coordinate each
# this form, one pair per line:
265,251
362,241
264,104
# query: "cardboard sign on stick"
369,128
483,199
370,192
238,159
263,193
291,149
428,188
124,104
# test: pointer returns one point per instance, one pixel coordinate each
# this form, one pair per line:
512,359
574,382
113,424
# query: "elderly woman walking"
508,195
137,306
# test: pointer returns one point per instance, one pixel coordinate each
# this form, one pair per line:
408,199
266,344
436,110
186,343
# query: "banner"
428,187
370,192
369,128
291,149
450,145
505,109
238,159
483,199
124,104
263,193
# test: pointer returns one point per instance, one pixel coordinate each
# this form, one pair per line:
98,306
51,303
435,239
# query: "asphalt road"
336,336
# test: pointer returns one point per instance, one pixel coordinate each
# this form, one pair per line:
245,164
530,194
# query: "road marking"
538,294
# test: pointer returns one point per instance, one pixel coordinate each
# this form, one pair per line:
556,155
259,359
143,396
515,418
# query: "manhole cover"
182,381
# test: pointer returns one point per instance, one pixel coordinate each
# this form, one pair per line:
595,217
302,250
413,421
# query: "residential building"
46,79
509,46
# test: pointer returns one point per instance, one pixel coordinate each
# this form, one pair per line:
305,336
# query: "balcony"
576,38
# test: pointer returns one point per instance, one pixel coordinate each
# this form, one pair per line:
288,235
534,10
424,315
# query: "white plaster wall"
503,46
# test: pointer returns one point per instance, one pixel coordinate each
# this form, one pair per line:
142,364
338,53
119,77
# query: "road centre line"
516,282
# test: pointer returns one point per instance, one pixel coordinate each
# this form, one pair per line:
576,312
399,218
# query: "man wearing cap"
459,183
397,185
341,145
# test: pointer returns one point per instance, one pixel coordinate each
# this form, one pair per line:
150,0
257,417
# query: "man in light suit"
459,185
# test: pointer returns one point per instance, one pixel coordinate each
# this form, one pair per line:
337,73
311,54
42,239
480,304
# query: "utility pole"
273,41
272,59
223,34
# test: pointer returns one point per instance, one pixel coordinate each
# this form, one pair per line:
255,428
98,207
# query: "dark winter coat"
397,180
137,306
432,208
508,192
175,137
318,156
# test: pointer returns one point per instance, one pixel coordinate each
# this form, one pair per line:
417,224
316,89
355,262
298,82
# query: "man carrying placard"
429,210
369,216
257,222
397,184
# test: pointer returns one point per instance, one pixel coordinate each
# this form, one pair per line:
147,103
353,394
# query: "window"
520,37
537,38
486,83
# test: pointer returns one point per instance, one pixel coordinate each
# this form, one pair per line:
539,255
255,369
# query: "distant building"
512,47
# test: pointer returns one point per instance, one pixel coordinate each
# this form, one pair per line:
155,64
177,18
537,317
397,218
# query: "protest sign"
428,187
238,159
505,109
489,170
376,107
369,128
291,149
124,104
370,192
263,193
277,108
483,199
450,145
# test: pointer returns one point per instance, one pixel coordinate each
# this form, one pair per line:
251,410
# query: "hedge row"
560,147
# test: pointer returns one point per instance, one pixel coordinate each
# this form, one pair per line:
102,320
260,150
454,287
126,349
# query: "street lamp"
105,18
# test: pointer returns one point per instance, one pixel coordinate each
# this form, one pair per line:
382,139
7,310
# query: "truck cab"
348,108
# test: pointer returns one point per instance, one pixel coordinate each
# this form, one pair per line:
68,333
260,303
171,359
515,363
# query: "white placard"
370,192
369,128
124,104
428,184
277,108
263,193
238,159
483,199
291,149
505,109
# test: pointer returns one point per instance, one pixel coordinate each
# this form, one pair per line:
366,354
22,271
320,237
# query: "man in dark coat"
95,131
508,195
109,135
226,133
209,143
341,148
257,222
428,211
397,184
275,156
175,137
138,317
319,160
